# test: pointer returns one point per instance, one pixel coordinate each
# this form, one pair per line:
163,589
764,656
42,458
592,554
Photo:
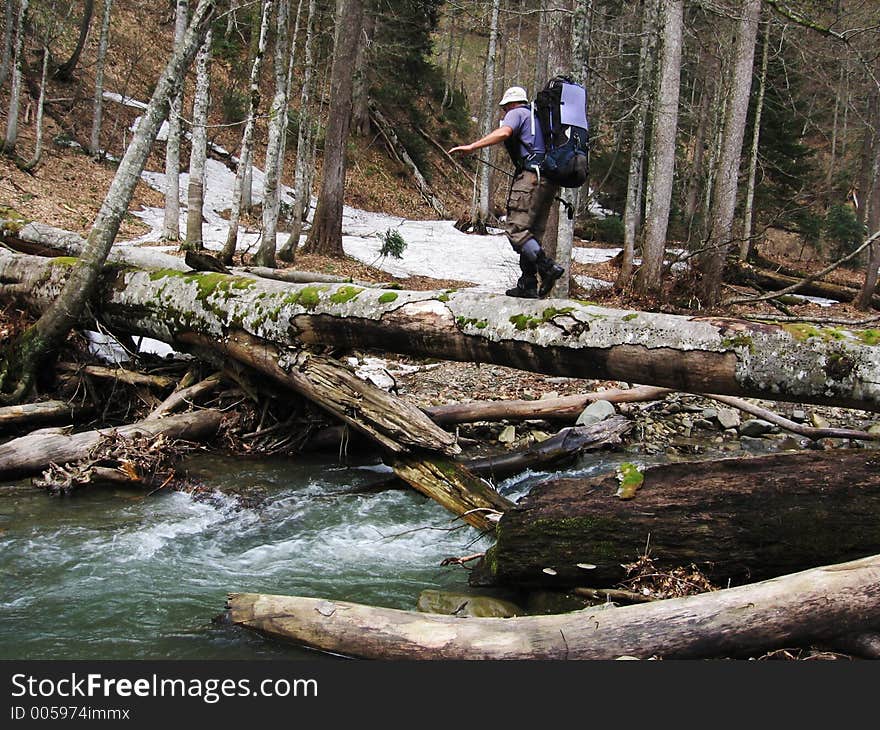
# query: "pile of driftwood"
740,520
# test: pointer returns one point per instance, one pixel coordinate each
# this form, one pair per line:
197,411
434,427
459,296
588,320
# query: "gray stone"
705,424
798,415
710,413
595,412
728,418
755,427
750,443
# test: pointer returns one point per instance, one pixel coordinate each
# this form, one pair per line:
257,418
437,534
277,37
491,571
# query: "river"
109,573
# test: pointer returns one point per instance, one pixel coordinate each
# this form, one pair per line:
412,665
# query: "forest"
686,425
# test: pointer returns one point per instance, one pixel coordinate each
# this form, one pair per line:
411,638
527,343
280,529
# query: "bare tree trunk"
41,103
98,106
360,123
65,71
872,198
9,17
25,354
746,243
247,137
490,113
633,206
199,149
301,176
15,92
711,263
265,255
662,161
559,234
541,75
450,45
698,154
326,234
171,220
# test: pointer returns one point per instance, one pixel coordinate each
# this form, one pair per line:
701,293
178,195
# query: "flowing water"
116,574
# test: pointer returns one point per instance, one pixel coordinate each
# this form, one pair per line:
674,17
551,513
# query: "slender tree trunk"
230,17
247,137
560,228
65,71
25,354
698,154
711,263
661,165
866,293
541,75
745,244
41,102
360,123
11,139
326,234
98,108
835,132
490,113
199,149
633,207
9,18
171,220
265,255
301,178
450,45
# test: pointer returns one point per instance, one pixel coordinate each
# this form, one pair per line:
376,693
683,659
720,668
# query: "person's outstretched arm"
494,137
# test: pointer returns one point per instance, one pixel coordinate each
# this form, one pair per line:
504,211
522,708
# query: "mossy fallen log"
801,363
737,520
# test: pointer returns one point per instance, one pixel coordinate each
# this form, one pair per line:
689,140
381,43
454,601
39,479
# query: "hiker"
531,194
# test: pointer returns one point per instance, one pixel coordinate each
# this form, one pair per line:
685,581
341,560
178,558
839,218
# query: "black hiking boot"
550,271
526,288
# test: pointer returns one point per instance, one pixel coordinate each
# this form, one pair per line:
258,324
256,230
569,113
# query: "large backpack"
561,109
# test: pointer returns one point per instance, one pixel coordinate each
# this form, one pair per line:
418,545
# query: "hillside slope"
67,188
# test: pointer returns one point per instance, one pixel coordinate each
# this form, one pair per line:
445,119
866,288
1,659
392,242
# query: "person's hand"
462,150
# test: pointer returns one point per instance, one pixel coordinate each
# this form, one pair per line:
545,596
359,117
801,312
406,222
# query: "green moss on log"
345,294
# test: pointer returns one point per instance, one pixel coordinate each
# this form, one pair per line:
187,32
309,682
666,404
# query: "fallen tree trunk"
33,453
556,337
454,487
393,423
122,375
748,275
40,414
735,519
792,610
565,408
562,446
810,432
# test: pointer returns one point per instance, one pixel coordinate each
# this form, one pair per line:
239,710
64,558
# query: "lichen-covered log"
32,453
793,610
736,519
558,337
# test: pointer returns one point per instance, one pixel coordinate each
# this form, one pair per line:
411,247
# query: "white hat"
514,93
